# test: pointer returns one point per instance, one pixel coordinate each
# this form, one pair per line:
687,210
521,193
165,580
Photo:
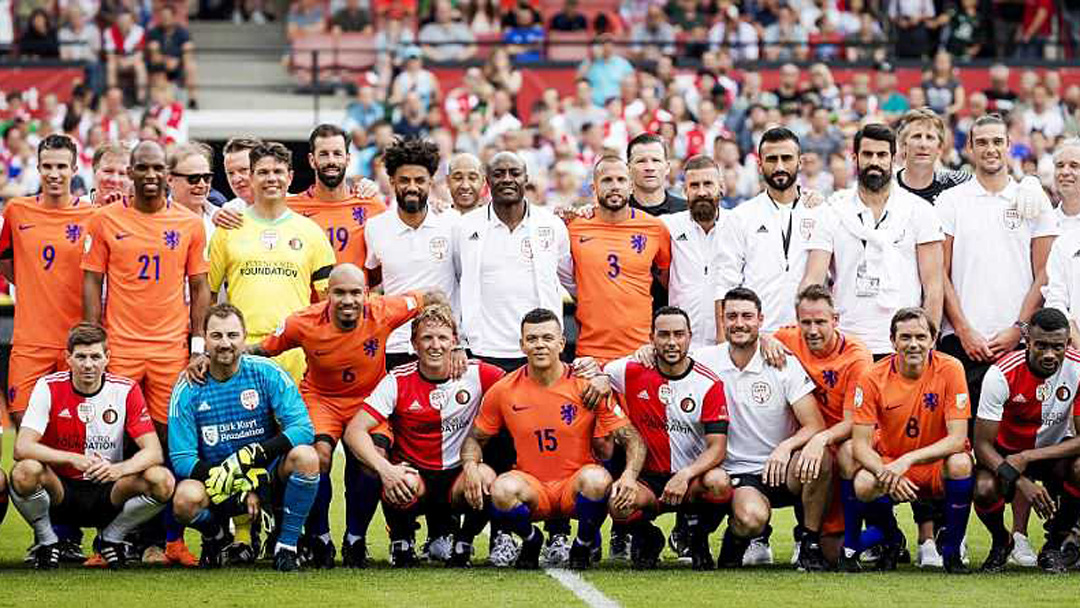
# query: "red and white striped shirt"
118,43
1033,412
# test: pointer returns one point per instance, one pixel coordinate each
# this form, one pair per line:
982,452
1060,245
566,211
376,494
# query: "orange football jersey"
835,374
45,246
613,270
911,414
146,259
551,428
343,222
344,363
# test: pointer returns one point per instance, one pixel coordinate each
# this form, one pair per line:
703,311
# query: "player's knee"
603,447
487,474
986,492
750,517
160,483
845,460
506,491
866,488
717,484
26,476
593,482
958,466
1072,473
188,500
304,459
325,454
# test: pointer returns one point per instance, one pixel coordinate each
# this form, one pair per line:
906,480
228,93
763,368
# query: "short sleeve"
824,231
663,254
714,410
945,206
137,419
927,224
6,246
489,420
219,259
1047,224
957,402
95,246
381,402
322,262
610,417
858,367
797,383
400,309
36,417
489,375
866,400
285,337
371,259
994,395
616,370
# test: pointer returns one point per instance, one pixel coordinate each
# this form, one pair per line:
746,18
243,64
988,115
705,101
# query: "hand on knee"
866,488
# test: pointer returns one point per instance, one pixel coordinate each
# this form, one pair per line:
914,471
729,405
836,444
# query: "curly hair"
420,152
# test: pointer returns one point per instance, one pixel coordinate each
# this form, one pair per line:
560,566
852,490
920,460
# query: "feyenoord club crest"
85,412
462,397
249,399
210,435
296,244
545,236
269,238
1012,219
760,392
664,392
1042,391
687,405
526,248
806,228
438,399
109,416
439,247
1063,393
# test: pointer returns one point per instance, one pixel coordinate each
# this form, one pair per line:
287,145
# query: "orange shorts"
555,499
929,477
25,366
330,415
156,377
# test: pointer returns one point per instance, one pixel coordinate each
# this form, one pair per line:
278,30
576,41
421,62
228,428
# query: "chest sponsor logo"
438,248
682,238
643,395
806,228
1063,393
1011,219
665,393
64,414
518,408
25,226
584,239
85,412
687,405
269,239
210,435
760,392
296,244
1042,392
1020,398
249,399
438,399
110,416
462,397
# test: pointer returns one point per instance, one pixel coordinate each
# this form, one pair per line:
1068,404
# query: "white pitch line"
583,589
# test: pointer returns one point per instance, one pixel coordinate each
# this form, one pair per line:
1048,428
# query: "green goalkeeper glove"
223,478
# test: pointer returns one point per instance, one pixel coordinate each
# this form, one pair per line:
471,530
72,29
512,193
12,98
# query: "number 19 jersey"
342,221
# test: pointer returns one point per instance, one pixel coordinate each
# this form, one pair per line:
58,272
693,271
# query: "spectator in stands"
567,179
912,22
1035,30
892,102
39,39
364,111
481,15
1070,18
510,13
473,93
124,43
500,118
653,37
447,38
351,19
500,72
80,40
569,19
305,17
394,40
171,54
968,31
868,43
788,94
786,39
840,169
526,36
735,34
1044,116
685,14
823,138
944,93
413,117
1002,98
813,175
415,79
605,70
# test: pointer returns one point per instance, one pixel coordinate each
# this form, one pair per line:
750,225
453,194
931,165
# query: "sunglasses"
194,178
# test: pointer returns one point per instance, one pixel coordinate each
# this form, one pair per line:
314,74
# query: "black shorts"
86,504
1050,472
656,482
778,497
438,486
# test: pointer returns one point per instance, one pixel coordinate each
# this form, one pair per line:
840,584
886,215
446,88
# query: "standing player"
276,259
465,180
649,166
922,142
329,202
409,248
884,244
910,441
1067,183
680,409
556,475
111,180
1024,433
236,440
429,413
70,451
1062,290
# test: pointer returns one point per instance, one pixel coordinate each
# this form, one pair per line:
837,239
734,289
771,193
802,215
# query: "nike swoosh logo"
25,226
121,236
308,213
585,239
893,407
320,353
518,409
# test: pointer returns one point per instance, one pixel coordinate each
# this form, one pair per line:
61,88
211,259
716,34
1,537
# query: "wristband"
1008,475
457,348
198,345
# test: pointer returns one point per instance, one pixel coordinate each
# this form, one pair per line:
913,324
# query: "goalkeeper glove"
218,485
1031,200
222,480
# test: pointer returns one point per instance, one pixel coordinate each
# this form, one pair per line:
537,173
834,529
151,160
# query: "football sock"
514,520
318,521
957,510
174,530
136,510
471,525
35,510
1066,516
590,514
880,513
557,526
300,493
993,517
362,492
853,515
207,524
871,536
401,522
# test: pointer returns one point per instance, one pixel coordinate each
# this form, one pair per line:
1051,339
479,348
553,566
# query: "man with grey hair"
1062,290
1067,183
191,172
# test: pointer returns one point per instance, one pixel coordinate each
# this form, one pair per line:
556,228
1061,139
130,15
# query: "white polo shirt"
875,263
1062,289
411,259
504,274
991,255
693,262
1068,222
764,248
759,400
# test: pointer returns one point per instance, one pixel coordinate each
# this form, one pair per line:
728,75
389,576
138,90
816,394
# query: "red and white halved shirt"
1033,412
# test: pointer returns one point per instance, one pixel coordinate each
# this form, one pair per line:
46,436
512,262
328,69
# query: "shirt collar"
755,365
1008,193
494,219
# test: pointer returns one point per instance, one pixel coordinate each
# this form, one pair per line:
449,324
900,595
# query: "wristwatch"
1022,326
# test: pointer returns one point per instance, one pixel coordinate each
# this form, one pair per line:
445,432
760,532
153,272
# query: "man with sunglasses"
190,175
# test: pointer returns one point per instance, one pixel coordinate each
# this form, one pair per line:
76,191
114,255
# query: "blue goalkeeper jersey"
210,422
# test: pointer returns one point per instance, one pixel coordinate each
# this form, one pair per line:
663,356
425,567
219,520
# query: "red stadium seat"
302,61
355,52
486,44
568,46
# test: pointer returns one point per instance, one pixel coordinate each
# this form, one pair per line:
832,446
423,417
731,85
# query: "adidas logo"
682,237
1020,398
64,414
763,229
475,236
415,407
204,407
643,394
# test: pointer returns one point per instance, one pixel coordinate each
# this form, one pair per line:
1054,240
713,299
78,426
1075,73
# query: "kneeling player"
1030,402
556,475
429,415
917,401
679,408
70,452
239,441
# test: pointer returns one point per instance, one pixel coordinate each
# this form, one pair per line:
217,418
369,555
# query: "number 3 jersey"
91,425
429,420
673,415
1033,412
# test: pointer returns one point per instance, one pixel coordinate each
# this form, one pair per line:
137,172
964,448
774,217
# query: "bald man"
344,342
466,182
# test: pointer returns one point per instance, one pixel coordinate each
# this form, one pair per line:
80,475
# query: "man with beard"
695,245
1024,433
329,201
465,180
409,248
149,249
765,240
883,243
995,259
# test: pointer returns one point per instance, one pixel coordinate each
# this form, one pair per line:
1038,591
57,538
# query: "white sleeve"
730,257
1057,288
565,269
372,261
617,371
946,210
37,413
383,399
995,392
1047,224
797,383
927,224
828,221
